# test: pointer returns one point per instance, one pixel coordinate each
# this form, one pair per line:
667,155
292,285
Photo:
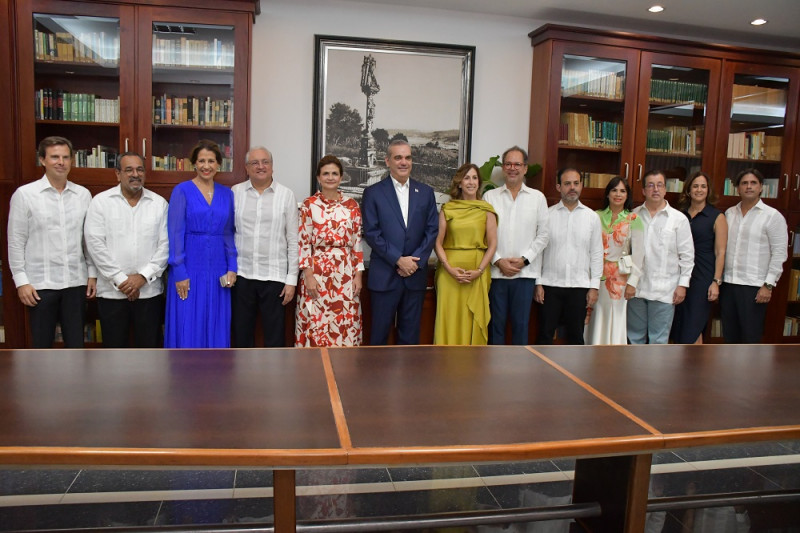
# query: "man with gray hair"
126,237
266,241
522,234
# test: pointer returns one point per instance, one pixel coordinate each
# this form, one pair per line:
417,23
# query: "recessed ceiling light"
655,9
758,22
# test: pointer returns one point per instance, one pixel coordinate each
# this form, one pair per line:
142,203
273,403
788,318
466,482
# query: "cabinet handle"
126,144
785,182
144,147
640,172
626,171
791,240
797,182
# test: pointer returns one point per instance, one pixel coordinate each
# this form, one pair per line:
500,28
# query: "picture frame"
369,91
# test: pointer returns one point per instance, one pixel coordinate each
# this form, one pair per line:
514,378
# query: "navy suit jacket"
390,239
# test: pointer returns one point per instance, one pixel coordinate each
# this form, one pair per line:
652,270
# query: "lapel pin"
416,190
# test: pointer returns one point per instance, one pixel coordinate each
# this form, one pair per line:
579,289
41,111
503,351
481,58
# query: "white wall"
283,72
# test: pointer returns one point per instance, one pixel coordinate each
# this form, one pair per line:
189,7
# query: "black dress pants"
248,298
144,316
565,306
742,318
64,306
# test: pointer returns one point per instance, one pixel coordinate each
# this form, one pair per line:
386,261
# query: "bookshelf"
621,110
92,72
616,103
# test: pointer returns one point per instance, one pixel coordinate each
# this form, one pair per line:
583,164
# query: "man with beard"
126,237
572,263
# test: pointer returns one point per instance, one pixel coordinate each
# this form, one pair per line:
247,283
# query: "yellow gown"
462,311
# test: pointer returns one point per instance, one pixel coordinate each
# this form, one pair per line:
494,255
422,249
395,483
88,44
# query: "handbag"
625,264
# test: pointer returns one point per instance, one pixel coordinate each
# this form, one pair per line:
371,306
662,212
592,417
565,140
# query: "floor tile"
341,476
435,472
35,481
505,469
757,449
133,480
77,516
253,478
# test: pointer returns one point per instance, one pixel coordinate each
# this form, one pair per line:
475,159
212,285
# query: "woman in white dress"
622,254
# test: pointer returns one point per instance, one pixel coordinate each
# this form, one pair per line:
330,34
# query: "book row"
794,285
192,111
580,129
171,162
770,188
675,139
791,326
754,145
673,92
55,104
187,52
595,83
85,47
97,157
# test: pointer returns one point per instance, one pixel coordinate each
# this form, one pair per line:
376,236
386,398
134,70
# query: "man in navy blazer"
400,225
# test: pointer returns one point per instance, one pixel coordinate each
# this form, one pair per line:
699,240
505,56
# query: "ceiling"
718,21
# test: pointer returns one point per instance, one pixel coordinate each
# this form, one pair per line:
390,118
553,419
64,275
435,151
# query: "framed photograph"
369,92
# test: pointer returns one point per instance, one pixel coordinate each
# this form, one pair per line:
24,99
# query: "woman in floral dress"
622,245
331,260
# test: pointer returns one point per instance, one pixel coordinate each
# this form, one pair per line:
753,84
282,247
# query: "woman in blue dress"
202,257
710,235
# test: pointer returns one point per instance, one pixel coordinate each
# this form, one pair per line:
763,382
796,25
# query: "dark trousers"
742,318
401,308
64,306
250,296
510,301
143,316
565,306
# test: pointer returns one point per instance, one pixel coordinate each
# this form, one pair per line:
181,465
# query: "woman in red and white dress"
331,262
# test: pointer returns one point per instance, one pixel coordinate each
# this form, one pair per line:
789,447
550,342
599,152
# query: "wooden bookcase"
614,103
105,74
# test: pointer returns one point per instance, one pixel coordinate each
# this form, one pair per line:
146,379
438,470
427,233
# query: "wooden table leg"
283,501
620,485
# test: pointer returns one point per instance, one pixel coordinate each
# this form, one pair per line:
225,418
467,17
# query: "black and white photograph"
370,92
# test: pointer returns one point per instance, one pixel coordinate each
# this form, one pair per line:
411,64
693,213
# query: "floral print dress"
621,237
330,243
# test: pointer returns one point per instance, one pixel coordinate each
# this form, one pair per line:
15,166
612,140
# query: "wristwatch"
525,260
769,286
717,281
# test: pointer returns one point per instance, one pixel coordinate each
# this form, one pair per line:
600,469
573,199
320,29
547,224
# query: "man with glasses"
522,234
126,237
45,248
667,267
266,242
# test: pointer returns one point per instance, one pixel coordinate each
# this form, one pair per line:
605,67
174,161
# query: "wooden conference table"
611,407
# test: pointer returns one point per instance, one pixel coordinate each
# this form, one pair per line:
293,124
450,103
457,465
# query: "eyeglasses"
262,162
513,165
131,170
656,186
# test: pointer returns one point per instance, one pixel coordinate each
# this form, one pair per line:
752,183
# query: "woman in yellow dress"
465,245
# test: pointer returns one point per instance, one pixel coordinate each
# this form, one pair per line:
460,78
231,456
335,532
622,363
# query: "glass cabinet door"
597,95
758,102
195,74
77,87
791,322
676,120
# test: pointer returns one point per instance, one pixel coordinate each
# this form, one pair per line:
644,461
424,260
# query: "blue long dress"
201,249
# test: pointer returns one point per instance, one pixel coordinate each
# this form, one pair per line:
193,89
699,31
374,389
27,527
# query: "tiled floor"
48,499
